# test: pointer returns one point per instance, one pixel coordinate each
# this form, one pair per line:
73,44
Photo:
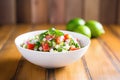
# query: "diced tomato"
30,46
49,37
58,40
66,36
73,48
45,47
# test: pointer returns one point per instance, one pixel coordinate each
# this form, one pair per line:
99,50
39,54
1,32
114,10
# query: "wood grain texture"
23,8
107,12
45,27
56,11
112,41
118,12
39,11
28,71
115,30
101,61
9,55
5,37
91,9
110,54
86,68
75,71
50,74
74,8
7,12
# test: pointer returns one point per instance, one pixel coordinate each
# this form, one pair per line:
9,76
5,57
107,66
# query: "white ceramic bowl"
48,59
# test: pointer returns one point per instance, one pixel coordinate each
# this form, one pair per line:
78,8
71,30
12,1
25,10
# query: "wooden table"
101,61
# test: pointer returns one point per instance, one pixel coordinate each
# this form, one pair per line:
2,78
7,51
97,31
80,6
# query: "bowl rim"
66,52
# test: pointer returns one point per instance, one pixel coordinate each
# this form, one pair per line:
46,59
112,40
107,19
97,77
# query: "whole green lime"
95,27
83,30
72,24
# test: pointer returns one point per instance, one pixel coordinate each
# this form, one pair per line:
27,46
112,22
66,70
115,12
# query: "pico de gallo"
52,40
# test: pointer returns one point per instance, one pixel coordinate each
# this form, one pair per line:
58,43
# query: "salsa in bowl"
50,52
52,40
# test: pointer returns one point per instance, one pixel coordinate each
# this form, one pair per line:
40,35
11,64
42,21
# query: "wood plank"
5,32
50,74
75,71
41,27
109,52
56,11
30,71
91,9
86,68
115,30
23,9
9,55
108,13
7,12
118,12
45,27
99,63
112,42
74,8
60,27
39,11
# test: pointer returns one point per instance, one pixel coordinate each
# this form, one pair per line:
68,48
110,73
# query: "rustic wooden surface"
39,11
7,11
101,61
23,11
58,11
